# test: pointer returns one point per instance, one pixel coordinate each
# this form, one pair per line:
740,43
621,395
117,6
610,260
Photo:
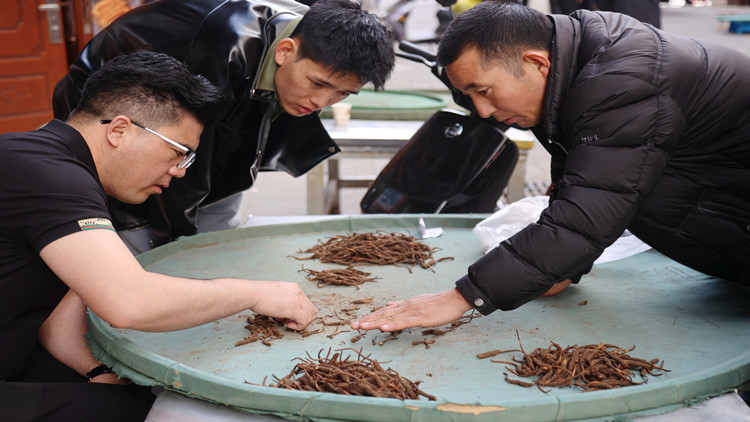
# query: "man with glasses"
277,64
134,132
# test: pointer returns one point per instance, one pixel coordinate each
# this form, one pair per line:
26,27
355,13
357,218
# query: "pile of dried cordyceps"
591,367
338,277
261,328
374,248
360,377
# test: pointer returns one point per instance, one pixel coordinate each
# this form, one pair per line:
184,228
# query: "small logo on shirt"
95,223
589,137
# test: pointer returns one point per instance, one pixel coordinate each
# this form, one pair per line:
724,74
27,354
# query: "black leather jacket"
225,41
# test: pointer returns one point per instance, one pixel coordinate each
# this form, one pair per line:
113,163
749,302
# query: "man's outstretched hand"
428,310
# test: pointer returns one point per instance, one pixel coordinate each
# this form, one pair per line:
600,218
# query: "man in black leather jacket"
275,68
647,131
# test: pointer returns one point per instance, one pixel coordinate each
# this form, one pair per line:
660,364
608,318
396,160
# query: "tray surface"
391,105
695,323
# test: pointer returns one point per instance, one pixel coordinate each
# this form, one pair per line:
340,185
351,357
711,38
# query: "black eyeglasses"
186,160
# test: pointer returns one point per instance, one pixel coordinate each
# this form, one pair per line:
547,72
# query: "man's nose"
320,100
324,98
484,108
174,171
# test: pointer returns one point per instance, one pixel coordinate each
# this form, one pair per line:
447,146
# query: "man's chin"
296,111
135,200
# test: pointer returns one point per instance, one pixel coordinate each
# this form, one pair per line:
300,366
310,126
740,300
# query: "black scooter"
454,163
397,15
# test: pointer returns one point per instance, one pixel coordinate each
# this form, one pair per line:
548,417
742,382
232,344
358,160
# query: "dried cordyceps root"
261,328
338,277
309,333
336,332
359,336
453,325
431,331
393,335
360,377
590,367
361,301
339,321
374,248
493,353
426,343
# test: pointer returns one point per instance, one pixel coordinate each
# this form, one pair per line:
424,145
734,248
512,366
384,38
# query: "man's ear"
286,49
539,59
116,130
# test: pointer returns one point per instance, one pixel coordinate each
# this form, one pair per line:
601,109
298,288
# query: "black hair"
152,88
340,36
501,30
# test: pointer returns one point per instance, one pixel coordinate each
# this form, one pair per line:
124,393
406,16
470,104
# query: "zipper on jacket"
562,147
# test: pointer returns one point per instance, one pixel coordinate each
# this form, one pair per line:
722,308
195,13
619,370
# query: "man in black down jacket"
275,69
647,131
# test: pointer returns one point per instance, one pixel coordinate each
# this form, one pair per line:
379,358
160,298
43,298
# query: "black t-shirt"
49,188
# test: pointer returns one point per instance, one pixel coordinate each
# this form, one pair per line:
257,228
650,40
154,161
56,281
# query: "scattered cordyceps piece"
338,277
590,367
374,248
361,301
261,328
452,326
493,353
392,336
362,376
426,343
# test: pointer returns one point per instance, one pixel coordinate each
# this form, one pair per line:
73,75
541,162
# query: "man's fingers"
374,320
557,288
293,325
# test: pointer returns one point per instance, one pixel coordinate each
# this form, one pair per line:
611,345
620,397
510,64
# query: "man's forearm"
171,303
102,271
63,335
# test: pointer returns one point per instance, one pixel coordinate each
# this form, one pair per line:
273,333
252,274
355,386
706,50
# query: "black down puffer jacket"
649,132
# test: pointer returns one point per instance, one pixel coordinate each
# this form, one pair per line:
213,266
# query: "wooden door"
79,26
32,59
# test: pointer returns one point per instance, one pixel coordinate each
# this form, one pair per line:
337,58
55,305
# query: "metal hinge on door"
54,24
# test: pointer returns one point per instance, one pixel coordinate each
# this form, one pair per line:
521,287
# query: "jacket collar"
563,54
284,23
